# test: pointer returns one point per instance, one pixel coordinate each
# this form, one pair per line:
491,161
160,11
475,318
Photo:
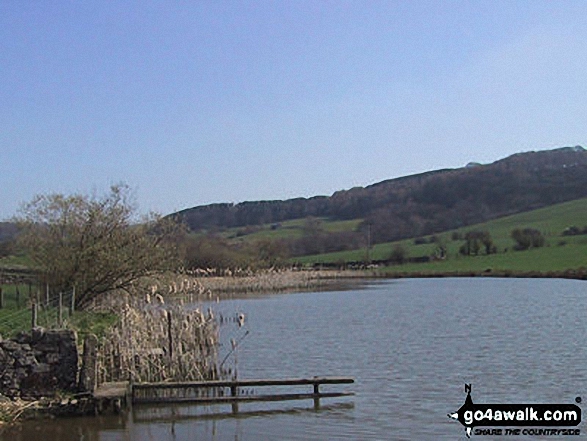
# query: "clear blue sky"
212,101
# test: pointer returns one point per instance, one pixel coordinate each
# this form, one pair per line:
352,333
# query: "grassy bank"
16,314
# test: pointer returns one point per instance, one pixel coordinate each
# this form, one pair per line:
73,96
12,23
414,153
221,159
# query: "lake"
411,346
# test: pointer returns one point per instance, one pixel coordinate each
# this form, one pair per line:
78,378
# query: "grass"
16,316
291,229
539,259
552,221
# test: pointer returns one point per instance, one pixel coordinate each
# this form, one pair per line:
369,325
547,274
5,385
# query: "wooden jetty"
216,392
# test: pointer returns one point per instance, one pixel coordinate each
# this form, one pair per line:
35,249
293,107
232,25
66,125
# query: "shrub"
527,238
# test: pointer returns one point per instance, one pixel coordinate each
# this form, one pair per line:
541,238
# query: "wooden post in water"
169,335
316,396
234,393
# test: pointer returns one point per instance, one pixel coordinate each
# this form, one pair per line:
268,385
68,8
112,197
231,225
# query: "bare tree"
95,244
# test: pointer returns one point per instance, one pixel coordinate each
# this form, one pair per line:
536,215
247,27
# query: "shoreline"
226,287
223,287
577,274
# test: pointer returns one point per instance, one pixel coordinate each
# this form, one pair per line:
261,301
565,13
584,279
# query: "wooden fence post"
72,305
34,316
60,309
1,298
17,296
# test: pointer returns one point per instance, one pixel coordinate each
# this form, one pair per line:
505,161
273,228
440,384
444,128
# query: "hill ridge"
423,203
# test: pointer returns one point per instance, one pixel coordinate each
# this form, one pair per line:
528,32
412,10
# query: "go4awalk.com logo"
505,419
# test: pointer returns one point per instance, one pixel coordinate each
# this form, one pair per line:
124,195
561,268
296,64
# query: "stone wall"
38,363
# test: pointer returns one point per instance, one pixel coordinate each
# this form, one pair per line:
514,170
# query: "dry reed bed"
12,410
160,342
158,338
212,284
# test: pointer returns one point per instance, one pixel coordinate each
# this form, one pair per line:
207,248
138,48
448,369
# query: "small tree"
474,241
398,255
527,238
94,244
271,252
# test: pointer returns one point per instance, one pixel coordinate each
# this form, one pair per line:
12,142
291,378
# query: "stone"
53,358
39,364
37,334
41,368
88,373
9,345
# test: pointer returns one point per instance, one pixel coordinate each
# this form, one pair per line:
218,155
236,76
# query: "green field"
291,229
16,315
559,253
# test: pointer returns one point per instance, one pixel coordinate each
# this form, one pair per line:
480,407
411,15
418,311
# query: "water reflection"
175,414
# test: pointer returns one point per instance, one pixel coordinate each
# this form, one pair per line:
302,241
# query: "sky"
198,102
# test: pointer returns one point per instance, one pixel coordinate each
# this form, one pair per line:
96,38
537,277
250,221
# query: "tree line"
422,204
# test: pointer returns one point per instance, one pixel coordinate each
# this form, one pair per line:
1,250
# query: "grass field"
16,315
559,253
291,229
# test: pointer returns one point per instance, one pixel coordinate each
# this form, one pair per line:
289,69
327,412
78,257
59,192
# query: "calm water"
411,346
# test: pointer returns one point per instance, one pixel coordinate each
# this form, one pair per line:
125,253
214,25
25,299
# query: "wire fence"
25,306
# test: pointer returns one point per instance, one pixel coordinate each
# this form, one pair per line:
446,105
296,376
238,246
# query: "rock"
37,334
39,364
53,358
41,368
9,345
22,337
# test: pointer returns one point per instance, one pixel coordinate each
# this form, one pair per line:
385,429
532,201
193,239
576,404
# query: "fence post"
60,309
17,296
89,371
34,316
72,305
47,296
316,396
1,298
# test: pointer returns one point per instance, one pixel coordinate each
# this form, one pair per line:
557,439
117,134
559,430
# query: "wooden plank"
245,383
112,390
239,398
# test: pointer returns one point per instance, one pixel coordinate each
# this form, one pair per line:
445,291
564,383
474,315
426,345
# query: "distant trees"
6,248
95,244
211,251
475,241
271,252
527,238
423,204
316,240
398,255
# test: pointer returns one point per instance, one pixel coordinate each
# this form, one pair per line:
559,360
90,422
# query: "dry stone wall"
38,363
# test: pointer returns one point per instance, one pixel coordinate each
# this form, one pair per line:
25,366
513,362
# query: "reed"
213,284
158,342
162,334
